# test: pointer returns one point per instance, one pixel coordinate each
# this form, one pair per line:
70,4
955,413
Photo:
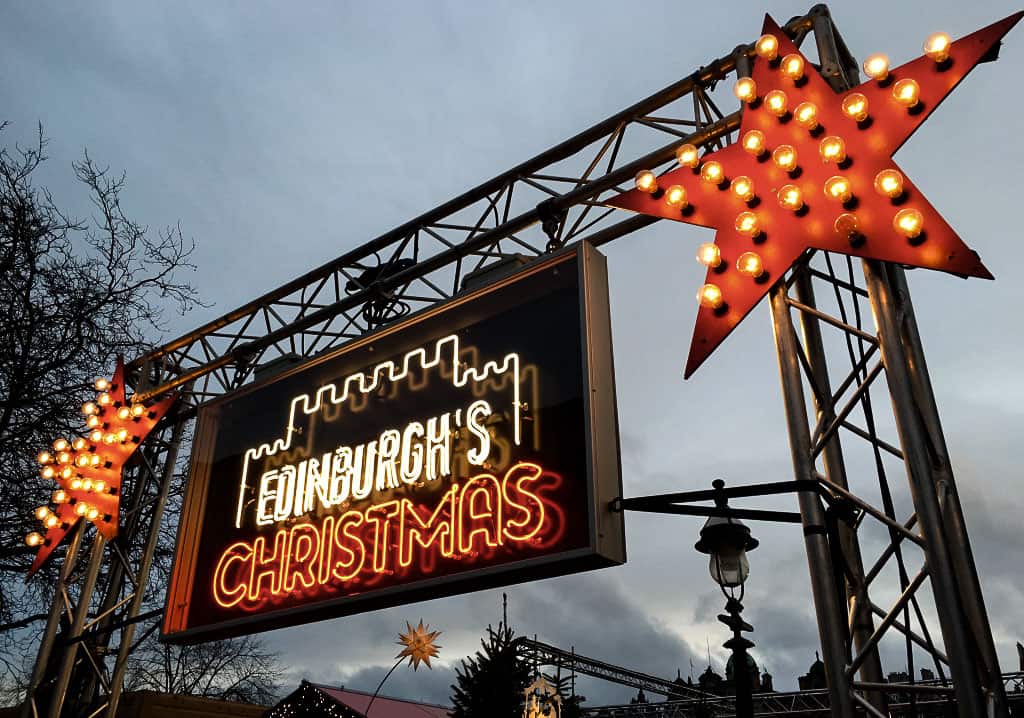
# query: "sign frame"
605,528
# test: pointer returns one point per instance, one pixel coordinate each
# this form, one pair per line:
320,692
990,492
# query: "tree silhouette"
490,684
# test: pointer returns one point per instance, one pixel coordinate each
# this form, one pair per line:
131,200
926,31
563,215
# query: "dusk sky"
280,135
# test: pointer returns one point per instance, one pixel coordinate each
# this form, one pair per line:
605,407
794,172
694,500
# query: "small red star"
88,470
813,169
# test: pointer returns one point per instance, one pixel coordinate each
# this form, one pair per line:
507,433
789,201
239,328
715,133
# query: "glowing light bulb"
104,399
785,157
793,66
109,438
124,413
767,46
790,197
838,188
51,521
48,472
646,181
937,46
101,384
86,484
710,296
909,222
99,486
67,472
749,264
743,187
63,457
855,106
96,436
82,460
122,435
44,458
675,196
42,512
712,172
93,513
82,508
60,496
745,89
89,408
138,409
709,255
776,102
907,92
687,156
79,444
877,67
748,224
34,539
93,421
806,115
76,484
95,460
889,183
60,445
832,149
754,142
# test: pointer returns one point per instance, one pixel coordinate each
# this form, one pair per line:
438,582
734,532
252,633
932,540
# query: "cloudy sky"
282,134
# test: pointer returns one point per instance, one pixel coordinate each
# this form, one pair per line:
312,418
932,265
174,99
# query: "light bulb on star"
877,67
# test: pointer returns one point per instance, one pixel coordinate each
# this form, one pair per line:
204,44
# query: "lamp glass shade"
729,567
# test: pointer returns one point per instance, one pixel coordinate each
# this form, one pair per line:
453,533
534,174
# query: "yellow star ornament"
418,644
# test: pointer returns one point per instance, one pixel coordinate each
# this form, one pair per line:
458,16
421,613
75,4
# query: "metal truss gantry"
544,203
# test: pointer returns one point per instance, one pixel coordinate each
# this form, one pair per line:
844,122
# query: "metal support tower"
544,203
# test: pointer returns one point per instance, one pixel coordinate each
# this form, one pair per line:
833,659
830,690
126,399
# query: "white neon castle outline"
462,374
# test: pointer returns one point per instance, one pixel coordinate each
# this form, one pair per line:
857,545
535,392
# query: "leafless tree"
74,294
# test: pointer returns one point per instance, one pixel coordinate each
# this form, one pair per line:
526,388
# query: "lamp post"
726,541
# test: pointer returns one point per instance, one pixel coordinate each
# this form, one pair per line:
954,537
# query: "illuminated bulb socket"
86,484
138,410
749,264
122,435
60,445
109,438
889,183
877,67
104,399
52,521
93,421
793,67
67,472
907,93
96,436
754,143
89,408
806,115
710,297
82,508
94,460
47,472
60,496
42,512
44,458
712,173
34,539
687,156
909,222
743,187
675,197
124,413
709,255
99,486
855,106
748,224
838,188
63,457
646,181
791,198
93,513
776,103
767,47
937,47
833,150
784,157
76,484
79,444
82,460
745,90
102,384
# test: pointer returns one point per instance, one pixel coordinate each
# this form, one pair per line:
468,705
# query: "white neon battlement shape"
365,382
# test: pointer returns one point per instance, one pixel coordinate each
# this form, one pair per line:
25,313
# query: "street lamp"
726,541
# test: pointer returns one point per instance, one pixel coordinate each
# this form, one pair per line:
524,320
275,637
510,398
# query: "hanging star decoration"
813,169
88,469
419,646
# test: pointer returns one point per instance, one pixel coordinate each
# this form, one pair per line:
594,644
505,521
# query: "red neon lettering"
262,567
436,530
381,520
351,545
223,594
303,545
532,510
472,521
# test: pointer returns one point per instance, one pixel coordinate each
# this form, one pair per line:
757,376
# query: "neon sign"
471,446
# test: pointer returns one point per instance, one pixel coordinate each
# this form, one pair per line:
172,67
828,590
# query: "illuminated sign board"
472,445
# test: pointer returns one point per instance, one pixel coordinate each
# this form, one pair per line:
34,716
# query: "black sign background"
548,314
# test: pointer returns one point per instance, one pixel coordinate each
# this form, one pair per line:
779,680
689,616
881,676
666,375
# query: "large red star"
793,118
88,470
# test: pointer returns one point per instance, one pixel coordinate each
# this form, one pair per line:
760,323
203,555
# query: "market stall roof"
345,703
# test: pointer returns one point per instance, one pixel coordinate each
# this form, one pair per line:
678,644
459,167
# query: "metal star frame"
813,169
89,469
